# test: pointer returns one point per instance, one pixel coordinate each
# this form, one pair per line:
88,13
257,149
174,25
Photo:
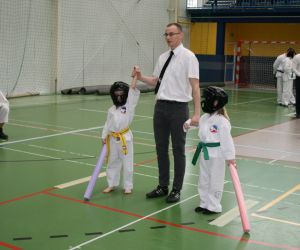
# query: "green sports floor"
54,143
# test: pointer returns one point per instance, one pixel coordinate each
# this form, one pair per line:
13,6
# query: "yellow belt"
119,135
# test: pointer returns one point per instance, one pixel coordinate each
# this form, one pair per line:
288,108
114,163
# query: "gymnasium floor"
53,148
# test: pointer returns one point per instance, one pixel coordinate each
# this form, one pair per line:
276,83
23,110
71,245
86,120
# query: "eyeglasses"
170,34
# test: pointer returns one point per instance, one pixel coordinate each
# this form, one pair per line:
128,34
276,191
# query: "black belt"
171,102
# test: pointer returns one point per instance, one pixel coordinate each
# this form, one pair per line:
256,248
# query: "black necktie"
163,71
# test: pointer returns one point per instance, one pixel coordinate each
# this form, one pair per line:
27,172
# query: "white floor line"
49,136
101,111
279,159
275,219
231,214
291,114
264,130
266,149
49,157
258,100
131,223
40,123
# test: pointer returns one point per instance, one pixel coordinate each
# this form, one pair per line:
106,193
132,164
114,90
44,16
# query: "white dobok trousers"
117,160
211,189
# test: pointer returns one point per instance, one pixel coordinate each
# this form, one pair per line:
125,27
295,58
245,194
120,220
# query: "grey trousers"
168,120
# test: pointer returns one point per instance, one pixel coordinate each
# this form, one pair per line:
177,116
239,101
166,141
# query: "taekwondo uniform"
119,140
4,109
287,79
278,71
214,133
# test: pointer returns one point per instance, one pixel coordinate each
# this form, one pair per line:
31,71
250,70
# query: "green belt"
203,146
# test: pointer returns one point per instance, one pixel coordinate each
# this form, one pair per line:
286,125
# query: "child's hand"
103,141
136,72
231,162
188,125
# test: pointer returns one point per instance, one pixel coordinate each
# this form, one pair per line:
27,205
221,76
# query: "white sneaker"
127,191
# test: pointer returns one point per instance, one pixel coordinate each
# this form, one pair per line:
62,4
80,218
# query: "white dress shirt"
175,85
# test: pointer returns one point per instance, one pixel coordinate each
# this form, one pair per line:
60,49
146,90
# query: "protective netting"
47,46
255,62
27,46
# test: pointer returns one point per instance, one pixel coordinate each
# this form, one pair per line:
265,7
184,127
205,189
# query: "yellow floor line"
231,214
79,181
280,198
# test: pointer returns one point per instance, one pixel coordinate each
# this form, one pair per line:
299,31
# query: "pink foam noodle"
94,177
240,198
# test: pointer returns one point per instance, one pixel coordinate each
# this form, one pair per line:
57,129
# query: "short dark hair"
175,24
290,52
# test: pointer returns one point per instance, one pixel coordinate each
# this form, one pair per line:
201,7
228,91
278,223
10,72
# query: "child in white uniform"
4,111
217,148
118,137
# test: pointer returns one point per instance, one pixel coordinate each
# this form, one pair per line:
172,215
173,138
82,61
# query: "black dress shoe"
297,116
174,196
158,192
3,136
200,209
208,212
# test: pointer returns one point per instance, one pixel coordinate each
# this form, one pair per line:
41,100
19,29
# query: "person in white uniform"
278,72
216,147
118,137
288,78
4,111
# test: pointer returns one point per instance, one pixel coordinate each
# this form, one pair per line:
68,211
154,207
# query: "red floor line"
26,196
10,246
242,239
144,162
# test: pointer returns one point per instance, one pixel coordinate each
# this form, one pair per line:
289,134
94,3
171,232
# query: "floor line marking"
9,246
26,196
53,135
40,123
275,219
229,216
50,157
278,199
266,149
257,100
78,181
101,111
148,217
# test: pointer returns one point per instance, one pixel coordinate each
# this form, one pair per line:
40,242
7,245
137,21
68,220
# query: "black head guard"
211,95
119,86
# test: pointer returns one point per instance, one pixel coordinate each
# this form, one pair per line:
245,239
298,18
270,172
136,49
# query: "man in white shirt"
4,110
178,86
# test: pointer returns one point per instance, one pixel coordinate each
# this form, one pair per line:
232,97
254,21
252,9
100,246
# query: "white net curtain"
50,45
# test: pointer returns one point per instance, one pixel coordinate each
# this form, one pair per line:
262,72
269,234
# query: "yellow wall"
262,32
203,38
203,35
